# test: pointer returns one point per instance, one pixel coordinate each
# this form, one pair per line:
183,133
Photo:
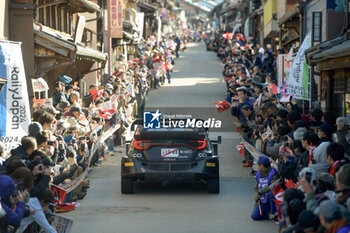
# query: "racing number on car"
169,153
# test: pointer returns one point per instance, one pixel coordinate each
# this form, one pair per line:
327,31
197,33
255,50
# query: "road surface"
196,85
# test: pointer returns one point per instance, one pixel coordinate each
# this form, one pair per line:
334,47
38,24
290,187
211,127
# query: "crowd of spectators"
303,170
64,140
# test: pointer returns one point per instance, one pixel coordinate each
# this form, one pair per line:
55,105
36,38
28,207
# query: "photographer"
10,198
242,100
27,147
40,206
41,170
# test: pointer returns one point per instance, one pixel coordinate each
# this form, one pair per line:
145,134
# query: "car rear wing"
215,144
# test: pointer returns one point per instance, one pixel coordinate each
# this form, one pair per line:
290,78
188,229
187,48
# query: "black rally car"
167,155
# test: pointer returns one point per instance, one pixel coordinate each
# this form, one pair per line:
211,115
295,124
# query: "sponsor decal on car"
129,164
170,153
210,164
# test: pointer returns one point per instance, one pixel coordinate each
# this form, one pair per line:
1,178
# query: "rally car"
168,155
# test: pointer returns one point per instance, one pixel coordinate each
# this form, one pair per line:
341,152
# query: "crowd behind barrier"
299,158
48,171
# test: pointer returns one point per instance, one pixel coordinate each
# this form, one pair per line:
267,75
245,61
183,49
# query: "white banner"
139,17
62,224
298,80
159,31
14,101
39,85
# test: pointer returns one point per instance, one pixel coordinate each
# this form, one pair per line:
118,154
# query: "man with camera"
238,103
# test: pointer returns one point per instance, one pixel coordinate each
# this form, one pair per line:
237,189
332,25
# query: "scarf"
337,225
331,170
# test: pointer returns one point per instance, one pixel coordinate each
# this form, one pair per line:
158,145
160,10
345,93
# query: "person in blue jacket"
263,195
10,197
243,99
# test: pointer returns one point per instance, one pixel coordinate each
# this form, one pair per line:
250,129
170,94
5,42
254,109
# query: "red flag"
274,88
279,197
289,183
96,94
240,148
275,187
60,194
240,36
221,106
227,36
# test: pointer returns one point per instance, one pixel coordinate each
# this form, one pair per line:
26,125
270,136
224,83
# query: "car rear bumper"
161,171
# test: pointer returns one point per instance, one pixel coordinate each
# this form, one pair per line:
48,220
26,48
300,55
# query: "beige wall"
4,20
91,78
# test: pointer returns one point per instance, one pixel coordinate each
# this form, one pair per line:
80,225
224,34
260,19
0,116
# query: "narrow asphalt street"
196,85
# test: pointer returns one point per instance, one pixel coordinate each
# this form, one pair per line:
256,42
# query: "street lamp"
2,82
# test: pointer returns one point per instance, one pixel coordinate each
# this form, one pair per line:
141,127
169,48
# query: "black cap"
307,219
75,109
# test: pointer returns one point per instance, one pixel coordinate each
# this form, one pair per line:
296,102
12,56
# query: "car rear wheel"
127,185
214,185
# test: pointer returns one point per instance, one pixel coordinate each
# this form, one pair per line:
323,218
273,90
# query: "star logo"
156,115
151,120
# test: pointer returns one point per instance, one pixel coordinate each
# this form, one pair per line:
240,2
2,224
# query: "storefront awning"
62,45
53,40
337,48
146,6
83,6
89,54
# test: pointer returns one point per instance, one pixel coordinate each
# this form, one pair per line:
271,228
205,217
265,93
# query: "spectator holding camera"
41,170
10,198
40,206
27,147
236,106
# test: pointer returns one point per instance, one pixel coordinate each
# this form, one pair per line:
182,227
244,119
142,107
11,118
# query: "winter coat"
58,97
39,217
40,184
19,151
341,138
267,64
13,218
320,153
236,111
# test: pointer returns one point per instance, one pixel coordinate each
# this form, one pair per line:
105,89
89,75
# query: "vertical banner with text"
115,16
139,19
298,80
14,101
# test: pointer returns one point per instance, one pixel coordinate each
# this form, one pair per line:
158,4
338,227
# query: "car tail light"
201,145
139,144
